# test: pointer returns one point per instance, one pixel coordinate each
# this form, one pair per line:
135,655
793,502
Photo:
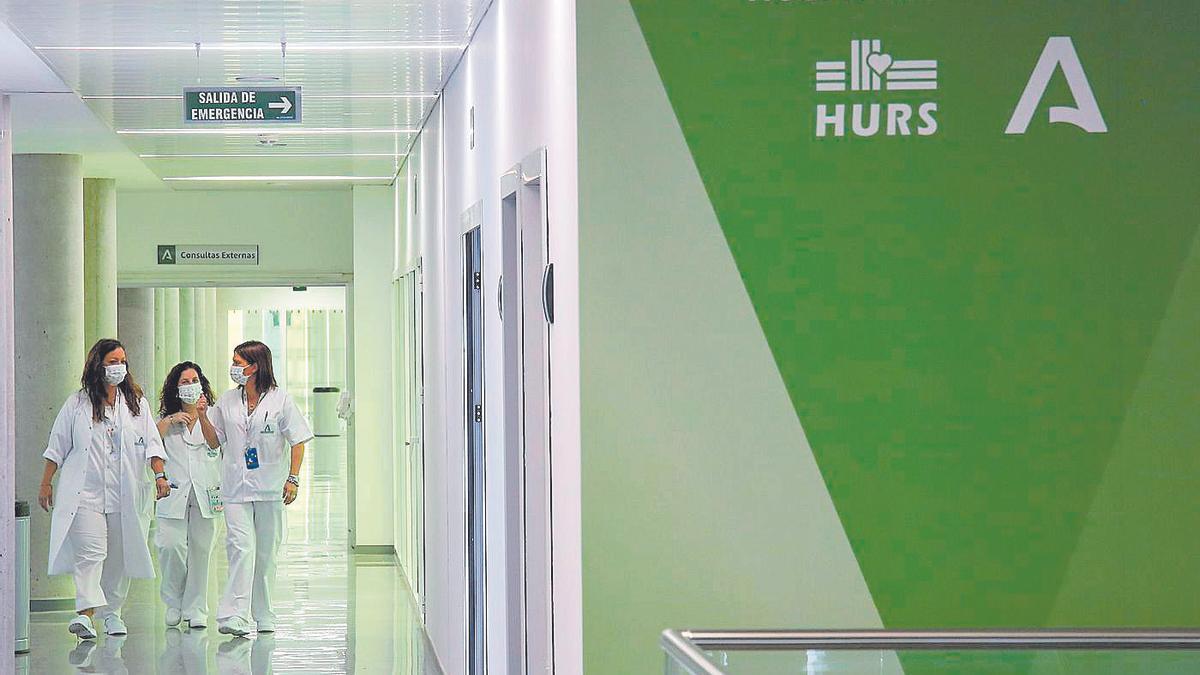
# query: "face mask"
190,393
115,374
238,374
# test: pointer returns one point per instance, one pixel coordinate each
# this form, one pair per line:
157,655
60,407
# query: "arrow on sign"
284,106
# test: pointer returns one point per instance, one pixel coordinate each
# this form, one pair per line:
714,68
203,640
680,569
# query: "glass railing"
883,652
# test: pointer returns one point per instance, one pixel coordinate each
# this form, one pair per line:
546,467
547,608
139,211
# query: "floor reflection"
338,612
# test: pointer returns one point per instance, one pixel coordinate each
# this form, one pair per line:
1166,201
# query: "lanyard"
248,420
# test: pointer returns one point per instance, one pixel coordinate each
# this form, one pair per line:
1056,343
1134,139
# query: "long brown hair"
258,354
92,380
168,400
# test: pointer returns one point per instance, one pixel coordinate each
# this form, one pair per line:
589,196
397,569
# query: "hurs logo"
871,69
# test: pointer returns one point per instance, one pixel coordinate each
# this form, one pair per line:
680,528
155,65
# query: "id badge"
214,500
251,458
213,452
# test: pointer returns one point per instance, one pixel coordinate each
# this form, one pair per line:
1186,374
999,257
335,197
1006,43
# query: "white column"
135,329
160,335
203,329
187,324
99,259
170,329
48,289
8,401
215,356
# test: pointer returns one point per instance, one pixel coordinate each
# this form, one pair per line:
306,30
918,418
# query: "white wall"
371,386
304,236
519,74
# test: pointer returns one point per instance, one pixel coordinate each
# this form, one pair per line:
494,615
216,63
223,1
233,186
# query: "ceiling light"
293,47
258,131
282,155
256,78
307,97
276,179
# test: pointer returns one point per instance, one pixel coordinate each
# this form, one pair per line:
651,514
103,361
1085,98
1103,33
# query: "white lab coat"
273,429
190,468
69,441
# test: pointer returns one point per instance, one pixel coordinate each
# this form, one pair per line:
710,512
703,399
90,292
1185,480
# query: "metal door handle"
548,293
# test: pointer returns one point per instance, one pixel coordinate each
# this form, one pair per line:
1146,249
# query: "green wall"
988,338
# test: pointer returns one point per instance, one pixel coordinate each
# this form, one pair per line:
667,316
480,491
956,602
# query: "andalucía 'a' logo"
871,69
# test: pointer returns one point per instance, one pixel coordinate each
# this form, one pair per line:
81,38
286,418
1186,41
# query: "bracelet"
294,480
160,476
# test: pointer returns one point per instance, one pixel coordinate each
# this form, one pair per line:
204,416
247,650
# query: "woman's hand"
163,487
202,406
183,417
46,497
290,491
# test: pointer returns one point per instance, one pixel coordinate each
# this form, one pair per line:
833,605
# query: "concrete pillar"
99,259
48,257
160,336
135,328
8,363
170,329
187,324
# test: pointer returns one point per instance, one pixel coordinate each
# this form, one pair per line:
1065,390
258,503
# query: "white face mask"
190,393
238,374
115,374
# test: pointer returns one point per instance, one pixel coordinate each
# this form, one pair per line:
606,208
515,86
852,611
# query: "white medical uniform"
185,520
102,503
254,497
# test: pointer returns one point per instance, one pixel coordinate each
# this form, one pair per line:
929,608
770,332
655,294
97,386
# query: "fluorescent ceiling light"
275,155
292,47
277,179
307,97
260,131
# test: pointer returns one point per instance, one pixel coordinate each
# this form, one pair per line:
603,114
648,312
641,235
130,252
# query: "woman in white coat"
263,435
185,518
102,440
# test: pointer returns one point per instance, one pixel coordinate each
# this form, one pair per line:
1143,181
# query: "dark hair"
168,400
258,354
92,381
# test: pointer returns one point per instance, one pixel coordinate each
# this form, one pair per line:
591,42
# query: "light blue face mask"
115,374
191,393
238,374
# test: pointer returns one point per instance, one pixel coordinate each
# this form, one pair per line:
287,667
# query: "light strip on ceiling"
281,155
307,97
264,131
276,179
292,47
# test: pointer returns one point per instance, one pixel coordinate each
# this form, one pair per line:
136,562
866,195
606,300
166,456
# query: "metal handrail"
687,647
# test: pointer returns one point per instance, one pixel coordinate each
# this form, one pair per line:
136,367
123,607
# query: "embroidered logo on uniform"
268,429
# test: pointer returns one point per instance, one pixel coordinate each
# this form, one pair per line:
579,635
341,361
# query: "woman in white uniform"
102,440
263,435
185,518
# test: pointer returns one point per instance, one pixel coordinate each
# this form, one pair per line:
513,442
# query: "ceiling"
370,70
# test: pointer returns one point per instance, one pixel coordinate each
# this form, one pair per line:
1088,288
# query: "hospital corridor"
617,337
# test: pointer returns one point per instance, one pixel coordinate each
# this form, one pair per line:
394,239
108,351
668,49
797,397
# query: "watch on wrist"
160,476
294,480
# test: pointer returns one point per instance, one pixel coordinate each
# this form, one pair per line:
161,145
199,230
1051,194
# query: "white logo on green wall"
869,68
1059,52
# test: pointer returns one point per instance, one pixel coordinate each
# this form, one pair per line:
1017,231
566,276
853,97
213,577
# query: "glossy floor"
338,612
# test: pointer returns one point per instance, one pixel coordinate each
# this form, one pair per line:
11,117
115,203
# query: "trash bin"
21,568
325,418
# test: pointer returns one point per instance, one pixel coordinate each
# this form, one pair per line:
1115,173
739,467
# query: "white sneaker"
234,626
264,627
174,616
82,628
198,622
113,625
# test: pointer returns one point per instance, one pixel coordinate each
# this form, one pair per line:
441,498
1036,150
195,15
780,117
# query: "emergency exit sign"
215,105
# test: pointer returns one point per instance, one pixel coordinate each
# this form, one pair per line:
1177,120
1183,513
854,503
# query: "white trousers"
100,581
255,531
184,548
